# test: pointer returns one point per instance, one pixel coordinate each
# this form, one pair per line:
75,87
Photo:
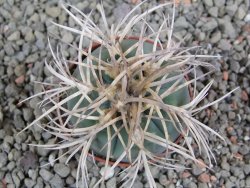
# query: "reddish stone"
30,65
234,105
238,156
246,28
233,139
186,2
225,75
213,178
204,178
183,1
239,39
20,79
230,129
244,95
209,113
201,164
185,174
135,1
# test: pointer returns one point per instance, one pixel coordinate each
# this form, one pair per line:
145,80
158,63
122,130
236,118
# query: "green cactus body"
178,98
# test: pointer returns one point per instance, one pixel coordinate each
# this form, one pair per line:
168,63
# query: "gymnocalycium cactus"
126,98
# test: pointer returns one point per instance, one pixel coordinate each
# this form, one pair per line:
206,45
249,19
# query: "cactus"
126,98
178,98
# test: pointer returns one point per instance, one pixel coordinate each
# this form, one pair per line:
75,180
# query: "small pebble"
57,181
111,182
219,3
247,18
53,11
224,45
45,174
29,182
204,178
241,13
181,23
14,36
210,25
20,79
213,11
208,2
3,159
62,170
107,171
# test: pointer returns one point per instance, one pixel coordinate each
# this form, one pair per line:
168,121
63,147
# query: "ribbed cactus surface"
154,126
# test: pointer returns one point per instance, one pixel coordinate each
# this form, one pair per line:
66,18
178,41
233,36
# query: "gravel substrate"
221,27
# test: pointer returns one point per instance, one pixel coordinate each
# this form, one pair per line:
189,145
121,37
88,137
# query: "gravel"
208,2
45,174
53,11
213,11
111,183
241,12
56,181
247,18
210,25
216,37
224,44
231,9
3,159
228,28
68,37
14,36
235,66
62,170
181,23
8,48
196,170
221,27
219,3
225,165
29,182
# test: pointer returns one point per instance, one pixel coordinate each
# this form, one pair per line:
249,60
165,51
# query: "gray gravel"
219,26
45,174
62,170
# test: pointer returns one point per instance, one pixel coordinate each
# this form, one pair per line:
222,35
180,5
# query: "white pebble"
107,171
219,146
189,140
247,18
52,159
246,138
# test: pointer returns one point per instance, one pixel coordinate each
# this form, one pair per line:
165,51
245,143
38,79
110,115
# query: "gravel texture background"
219,26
